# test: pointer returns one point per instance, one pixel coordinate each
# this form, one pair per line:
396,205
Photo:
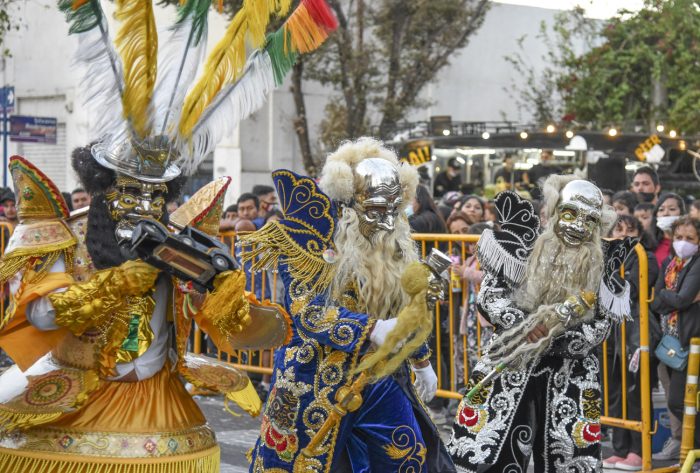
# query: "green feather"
282,61
83,19
199,9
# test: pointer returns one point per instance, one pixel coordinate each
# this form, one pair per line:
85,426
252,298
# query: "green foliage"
637,69
8,23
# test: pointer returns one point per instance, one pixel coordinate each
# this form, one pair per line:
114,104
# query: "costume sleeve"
580,340
495,303
686,293
422,354
337,327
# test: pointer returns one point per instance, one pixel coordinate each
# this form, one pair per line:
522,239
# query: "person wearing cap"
448,180
8,203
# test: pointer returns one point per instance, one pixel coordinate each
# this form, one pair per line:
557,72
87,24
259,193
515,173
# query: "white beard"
373,268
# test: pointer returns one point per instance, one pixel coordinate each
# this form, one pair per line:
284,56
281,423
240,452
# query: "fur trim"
608,219
337,181
409,182
337,176
94,177
551,190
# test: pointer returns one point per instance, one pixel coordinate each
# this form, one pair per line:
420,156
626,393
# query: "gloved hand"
381,330
426,382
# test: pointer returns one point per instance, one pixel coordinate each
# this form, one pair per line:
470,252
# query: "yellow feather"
226,61
137,42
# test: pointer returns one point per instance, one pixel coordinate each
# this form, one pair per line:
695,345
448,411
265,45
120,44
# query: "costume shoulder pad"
504,252
304,236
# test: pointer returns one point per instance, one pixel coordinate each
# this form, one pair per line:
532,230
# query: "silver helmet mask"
579,213
130,200
377,196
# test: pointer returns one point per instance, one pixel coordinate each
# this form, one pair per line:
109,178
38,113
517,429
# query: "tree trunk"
301,125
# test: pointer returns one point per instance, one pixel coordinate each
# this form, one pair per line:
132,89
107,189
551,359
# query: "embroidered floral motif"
405,445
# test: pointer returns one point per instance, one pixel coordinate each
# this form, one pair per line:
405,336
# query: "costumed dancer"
551,299
99,337
345,254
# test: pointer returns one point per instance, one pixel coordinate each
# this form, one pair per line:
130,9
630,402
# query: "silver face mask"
579,213
131,200
377,196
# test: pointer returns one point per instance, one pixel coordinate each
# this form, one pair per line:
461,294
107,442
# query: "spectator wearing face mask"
678,303
646,184
448,180
267,202
669,208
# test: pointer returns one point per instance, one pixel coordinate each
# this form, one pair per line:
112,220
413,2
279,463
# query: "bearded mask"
579,213
377,196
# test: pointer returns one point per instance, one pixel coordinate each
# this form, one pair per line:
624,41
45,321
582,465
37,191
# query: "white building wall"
46,84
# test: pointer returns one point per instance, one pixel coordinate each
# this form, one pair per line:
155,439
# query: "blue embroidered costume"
390,431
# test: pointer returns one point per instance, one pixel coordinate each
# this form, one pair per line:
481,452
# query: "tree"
378,61
637,69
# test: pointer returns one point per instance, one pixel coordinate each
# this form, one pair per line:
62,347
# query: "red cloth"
662,251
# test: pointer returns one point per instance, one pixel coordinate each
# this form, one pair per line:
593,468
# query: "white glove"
426,383
381,330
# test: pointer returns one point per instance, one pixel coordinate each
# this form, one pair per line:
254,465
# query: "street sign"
33,129
7,99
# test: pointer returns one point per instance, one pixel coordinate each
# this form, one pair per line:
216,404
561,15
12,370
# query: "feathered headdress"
152,122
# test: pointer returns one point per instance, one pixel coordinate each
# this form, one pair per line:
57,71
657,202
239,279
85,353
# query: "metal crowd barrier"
455,369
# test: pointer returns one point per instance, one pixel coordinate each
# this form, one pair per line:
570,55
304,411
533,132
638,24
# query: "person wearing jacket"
423,215
676,300
627,444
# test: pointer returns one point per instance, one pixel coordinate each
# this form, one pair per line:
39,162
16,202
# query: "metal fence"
455,352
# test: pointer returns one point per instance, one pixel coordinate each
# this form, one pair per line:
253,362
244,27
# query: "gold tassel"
271,242
247,399
137,41
24,461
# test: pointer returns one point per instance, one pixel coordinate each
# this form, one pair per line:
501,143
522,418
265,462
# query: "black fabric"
533,423
675,399
427,222
445,184
683,300
100,239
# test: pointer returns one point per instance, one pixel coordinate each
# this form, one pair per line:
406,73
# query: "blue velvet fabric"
328,338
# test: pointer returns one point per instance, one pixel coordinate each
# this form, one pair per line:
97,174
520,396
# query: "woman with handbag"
677,301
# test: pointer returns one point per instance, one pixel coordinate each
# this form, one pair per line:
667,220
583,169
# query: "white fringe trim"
615,306
495,258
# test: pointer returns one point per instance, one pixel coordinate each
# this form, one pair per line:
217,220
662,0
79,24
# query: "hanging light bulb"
523,135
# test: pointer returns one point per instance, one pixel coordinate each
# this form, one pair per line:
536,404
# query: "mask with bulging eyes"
578,213
377,196
131,200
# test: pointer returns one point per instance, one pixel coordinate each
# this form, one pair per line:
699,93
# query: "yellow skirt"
152,426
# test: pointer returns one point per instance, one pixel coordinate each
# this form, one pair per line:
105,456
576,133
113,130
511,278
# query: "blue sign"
7,99
33,129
